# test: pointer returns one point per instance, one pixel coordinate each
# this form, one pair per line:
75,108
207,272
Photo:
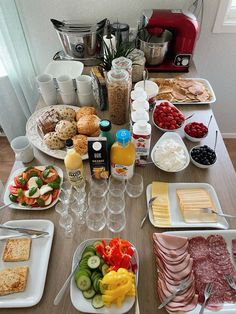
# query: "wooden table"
221,176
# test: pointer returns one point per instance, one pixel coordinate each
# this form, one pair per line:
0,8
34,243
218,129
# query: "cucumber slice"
96,285
82,272
83,282
95,274
96,243
88,254
93,262
89,248
97,301
89,294
105,268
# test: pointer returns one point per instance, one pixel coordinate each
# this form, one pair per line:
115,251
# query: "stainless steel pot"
154,47
80,41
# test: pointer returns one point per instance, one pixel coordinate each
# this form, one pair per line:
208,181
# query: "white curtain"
18,91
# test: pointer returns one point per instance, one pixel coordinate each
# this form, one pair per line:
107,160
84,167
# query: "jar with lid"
138,60
123,63
140,103
138,92
138,115
118,95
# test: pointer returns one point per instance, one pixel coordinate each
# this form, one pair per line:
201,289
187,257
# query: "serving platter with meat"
185,91
200,257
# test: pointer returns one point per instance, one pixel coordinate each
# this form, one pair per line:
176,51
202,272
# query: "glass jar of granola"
118,89
138,60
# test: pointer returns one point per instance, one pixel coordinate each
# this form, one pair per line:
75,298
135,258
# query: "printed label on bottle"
121,171
75,176
142,148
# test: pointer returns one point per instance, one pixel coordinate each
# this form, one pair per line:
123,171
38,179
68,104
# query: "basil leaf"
28,168
32,191
32,174
40,202
20,192
50,167
46,173
54,185
24,204
13,198
58,180
39,182
21,181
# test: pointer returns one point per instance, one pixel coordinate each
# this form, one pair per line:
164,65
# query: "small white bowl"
151,88
197,164
165,130
195,139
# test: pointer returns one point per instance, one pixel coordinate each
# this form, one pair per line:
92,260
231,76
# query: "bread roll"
65,129
80,144
85,111
88,125
67,113
48,120
52,141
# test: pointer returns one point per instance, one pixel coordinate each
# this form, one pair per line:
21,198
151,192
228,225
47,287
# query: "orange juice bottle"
122,156
74,164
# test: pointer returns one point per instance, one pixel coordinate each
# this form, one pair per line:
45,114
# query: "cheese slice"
160,206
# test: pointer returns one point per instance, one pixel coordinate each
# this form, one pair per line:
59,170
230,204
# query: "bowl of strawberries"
167,117
195,131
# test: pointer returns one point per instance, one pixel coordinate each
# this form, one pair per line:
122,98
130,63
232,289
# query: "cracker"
16,250
13,280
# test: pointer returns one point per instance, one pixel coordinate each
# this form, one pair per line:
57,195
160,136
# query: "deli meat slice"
211,263
170,242
234,247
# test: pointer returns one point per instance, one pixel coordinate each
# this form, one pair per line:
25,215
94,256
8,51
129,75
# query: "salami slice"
198,247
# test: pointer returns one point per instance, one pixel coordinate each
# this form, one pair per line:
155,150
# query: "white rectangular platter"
84,305
175,212
38,264
229,235
17,206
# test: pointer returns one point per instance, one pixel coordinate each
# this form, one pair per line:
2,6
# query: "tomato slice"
51,178
55,194
45,197
20,199
31,173
29,201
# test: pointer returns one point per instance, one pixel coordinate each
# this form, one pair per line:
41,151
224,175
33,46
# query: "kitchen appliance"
168,38
81,42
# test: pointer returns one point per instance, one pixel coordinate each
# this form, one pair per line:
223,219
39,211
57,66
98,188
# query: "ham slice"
177,307
171,252
171,260
170,242
234,247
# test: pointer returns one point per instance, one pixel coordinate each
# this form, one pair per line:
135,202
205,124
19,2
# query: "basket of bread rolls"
59,123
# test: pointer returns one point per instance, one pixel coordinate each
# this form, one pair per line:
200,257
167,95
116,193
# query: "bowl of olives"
203,156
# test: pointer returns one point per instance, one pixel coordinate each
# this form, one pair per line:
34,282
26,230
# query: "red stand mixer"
168,38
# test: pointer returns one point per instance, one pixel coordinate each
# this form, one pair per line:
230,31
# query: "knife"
24,230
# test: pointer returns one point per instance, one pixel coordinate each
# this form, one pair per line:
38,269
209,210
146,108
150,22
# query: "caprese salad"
37,186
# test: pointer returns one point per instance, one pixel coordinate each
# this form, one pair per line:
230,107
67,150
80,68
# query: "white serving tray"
177,138
208,86
16,205
38,264
84,305
229,235
36,137
177,220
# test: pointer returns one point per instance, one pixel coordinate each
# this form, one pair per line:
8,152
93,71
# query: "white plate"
16,205
36,138
177,220
38,264
84,305
177,138
206,84
71,68
229,235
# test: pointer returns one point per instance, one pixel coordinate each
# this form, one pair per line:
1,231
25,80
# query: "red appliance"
184,28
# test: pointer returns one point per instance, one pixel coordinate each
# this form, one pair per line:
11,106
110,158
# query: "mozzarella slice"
40,168
36,194
50,174
32,183
45,189
49,200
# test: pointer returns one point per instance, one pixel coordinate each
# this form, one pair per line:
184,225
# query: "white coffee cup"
85,99
45,83
49,97
65,84
68,98
84,84
23,149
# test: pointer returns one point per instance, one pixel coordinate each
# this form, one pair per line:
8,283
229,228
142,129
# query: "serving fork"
230,280
183,286
209,211
207,294
147,211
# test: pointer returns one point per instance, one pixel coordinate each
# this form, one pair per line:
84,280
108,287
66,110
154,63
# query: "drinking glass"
79,196
95,220
134,185
115,184
79,212
96,202
66,221
116,221
61,208
98,187
66,187
80,187
115,201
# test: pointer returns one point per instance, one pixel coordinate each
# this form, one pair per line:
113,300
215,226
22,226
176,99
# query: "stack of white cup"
47,89
67,90
84,90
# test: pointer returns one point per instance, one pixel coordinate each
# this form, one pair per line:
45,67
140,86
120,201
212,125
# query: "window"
226,17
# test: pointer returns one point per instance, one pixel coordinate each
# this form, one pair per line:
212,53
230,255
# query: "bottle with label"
74,164
142,139
122,156
105,127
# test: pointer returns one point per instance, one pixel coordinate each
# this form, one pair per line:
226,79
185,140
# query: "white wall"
214,56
